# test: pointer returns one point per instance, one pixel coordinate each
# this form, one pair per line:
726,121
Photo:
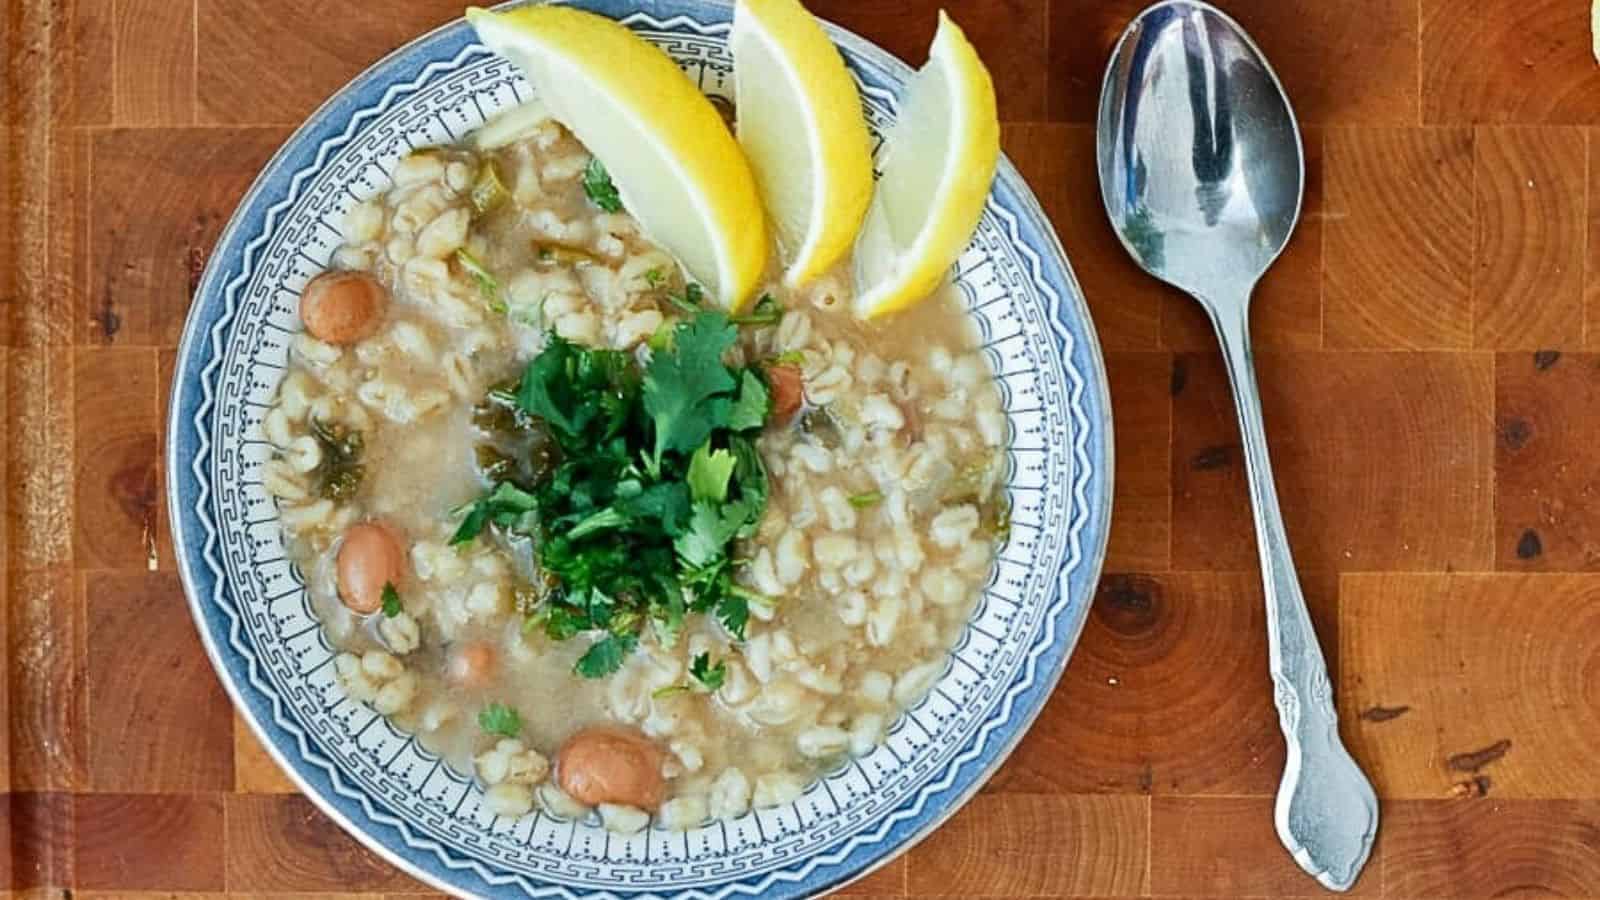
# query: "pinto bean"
370,557
606,764
342,307
472,664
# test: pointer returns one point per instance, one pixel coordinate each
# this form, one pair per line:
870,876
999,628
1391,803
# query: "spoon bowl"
1201,165
1202,173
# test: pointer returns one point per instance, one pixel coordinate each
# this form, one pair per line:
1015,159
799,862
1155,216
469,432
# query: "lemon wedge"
801,127
939,159
676,167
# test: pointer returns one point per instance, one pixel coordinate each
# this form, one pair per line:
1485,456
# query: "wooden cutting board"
1428,351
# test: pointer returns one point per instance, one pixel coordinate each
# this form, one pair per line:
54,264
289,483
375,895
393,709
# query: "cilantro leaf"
504,505
709,473
391,601
682,386
498,718
605,656
750,410
733,611
709,675
711,527
599,188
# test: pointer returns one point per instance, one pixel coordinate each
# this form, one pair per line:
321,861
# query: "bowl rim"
188,372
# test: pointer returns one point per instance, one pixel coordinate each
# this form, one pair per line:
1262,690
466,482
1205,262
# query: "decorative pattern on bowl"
257,624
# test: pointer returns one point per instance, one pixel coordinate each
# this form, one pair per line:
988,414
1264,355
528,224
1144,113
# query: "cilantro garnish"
391,601
498,718
597,185
657,477
767,311
870,498
488,286
693,294
709,675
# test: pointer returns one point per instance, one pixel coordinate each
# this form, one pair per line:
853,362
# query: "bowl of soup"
514,639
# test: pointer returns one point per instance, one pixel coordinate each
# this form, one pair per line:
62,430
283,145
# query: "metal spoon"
1202,173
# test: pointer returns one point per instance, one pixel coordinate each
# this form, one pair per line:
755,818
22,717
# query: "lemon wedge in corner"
801,127
939,159
676,167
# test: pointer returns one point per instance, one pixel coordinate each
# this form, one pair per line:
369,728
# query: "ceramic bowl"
402,801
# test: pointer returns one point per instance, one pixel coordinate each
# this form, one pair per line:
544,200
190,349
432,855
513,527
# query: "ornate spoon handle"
1327,813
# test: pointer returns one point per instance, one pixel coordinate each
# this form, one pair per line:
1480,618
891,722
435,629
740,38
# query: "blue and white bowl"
379,784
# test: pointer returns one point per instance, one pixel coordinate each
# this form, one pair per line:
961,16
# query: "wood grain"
170,842
161,721
1098,845
153,57
1392,482
1010,35
254,770
1531,216
45,636
1141,386
258,63
1226,846
282,843
1351,61
116,481
1399,238
1058,162
83,79
43,833
1492,848
1521,61
1161,696
161,198
1526,642
1547,511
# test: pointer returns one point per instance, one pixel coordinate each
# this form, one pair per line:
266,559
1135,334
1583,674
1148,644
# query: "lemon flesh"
801,126
939,160
675,166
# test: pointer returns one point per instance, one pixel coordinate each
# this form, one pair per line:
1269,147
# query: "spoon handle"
1327,813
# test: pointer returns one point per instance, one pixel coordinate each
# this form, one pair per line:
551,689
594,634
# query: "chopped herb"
690,301
671,690
562,253
656,478
340,472
662,338
870,498
655,277
391,601
597,184
506,505
605,656
711,676
790,358
488,191
487,285
498,718
767,311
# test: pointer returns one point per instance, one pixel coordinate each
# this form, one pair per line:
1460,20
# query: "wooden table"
1428,356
